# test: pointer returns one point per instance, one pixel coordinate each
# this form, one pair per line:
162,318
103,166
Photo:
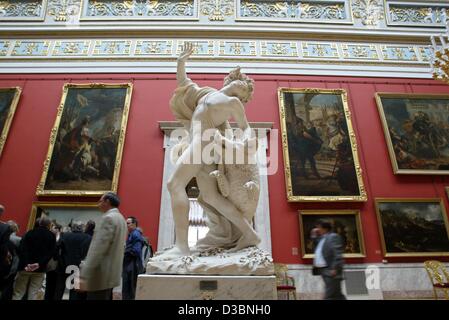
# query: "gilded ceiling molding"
217,10
62,10
137,9
295,11
206,49
417,14
370,12
22,10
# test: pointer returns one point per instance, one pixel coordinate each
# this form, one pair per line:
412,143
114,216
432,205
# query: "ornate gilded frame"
41,191
410,200
330,213
362,196
393,159
10,116
47,205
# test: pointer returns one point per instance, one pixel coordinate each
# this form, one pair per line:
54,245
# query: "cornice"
400,35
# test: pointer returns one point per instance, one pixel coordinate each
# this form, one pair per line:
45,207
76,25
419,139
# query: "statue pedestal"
202,287
212,274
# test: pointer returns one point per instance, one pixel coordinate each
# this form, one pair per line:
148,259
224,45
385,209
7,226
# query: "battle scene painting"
413,227
345,223
320,155
416,129
9,98
87,141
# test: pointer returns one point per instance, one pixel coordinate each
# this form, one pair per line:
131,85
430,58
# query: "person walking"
328,259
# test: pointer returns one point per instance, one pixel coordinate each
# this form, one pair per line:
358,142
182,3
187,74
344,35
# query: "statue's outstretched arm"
181,75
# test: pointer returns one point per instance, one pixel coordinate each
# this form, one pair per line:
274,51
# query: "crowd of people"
84,260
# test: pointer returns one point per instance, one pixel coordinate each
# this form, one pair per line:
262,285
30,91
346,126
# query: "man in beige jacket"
102,269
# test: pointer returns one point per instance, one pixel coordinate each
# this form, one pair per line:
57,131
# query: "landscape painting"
319,145
413,227
86,143
416,130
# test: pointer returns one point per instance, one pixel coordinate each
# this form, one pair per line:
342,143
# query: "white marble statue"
239,183
231,206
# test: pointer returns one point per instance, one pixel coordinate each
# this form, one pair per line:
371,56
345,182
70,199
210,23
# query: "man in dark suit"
6,255
74,247
328,259
36,249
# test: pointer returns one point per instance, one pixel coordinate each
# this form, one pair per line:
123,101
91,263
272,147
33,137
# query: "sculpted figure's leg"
180,205
211,195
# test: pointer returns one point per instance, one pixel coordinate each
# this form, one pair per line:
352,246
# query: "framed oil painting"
416,129
412,227
9,98
65,212
346,223
319,146
86,142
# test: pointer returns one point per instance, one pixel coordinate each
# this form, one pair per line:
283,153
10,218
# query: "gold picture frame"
87,139
64,212
9,99
346,223
413,227
410,139
335,178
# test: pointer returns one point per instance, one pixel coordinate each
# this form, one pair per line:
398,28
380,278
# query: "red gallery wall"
142,164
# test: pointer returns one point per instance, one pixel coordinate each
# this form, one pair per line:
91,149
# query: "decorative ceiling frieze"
217,10
369,12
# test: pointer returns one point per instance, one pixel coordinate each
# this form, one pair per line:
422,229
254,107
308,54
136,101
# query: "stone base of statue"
213,274
250,261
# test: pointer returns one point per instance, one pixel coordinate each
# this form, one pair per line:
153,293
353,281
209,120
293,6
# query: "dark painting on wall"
9,97
346,223
319,145
65,212
86,143
416,129
413,227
